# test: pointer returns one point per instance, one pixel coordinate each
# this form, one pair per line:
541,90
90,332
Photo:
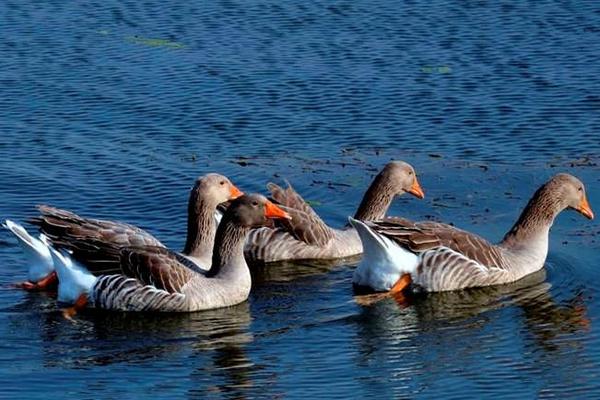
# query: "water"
111,109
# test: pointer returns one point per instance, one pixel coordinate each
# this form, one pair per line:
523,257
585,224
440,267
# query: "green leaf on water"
154,42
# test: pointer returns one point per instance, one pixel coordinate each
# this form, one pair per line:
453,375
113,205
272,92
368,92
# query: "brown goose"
88,239
437,257
159,280
306,236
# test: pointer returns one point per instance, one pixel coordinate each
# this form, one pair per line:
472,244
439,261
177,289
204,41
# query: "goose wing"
158,267
92,242
305,224
420,237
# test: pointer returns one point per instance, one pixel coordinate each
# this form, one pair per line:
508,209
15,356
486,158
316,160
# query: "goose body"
306,236
156,279
440,257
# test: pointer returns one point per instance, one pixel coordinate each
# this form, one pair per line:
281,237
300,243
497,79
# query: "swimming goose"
89,241
306,236
437,257
156,279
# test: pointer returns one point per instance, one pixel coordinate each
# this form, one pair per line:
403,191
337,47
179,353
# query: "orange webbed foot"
401,284
48,283
397,292
79,305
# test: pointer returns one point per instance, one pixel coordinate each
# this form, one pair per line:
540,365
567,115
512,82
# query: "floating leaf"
154,42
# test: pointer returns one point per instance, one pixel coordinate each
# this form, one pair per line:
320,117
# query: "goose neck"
200,228
376,201
535,221
228,251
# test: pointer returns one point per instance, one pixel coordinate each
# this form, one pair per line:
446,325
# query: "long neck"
376,200
228,252
200,228
535,221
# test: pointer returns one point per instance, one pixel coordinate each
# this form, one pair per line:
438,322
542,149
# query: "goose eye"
580,189
255,203
410,172
222,183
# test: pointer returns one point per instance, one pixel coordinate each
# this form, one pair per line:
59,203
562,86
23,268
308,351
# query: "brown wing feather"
427,235
305,224
93,242
157,266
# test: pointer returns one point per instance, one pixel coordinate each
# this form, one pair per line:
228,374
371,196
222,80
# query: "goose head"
254,210
403,178
570,193
214,189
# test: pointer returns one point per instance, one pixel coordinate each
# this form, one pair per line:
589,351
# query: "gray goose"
307,237
90,240
155,279
437,257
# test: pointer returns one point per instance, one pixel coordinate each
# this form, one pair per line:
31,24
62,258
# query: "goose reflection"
101,338
285,271
454,319
543,317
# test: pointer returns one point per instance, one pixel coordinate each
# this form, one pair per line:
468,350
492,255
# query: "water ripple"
112,109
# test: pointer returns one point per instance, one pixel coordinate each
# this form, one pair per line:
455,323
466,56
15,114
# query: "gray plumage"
156,279
450,258
307,236
92,241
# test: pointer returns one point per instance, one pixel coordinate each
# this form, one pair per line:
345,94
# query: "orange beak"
585,209
416,190
272,211
234,192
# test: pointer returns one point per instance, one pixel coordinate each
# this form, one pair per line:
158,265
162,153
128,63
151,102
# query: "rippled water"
111,109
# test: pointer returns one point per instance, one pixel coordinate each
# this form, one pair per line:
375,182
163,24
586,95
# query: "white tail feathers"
37,252
383,261
73,279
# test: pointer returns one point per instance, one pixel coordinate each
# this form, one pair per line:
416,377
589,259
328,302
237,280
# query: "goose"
432,257
76,234
306,236
155,279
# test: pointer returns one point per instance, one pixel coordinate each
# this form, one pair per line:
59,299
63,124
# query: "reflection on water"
101,339
111,109
459,332
288,271
205,331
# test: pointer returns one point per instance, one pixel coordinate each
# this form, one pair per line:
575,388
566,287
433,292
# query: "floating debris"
154,42
151,42
441,69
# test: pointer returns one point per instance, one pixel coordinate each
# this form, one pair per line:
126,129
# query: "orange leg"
79,305
401,284
395,292
49,282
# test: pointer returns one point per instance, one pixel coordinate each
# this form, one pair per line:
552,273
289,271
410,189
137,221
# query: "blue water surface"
111,109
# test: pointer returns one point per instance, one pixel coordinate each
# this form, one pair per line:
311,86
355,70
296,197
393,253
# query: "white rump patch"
383,262
37,252
73,278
